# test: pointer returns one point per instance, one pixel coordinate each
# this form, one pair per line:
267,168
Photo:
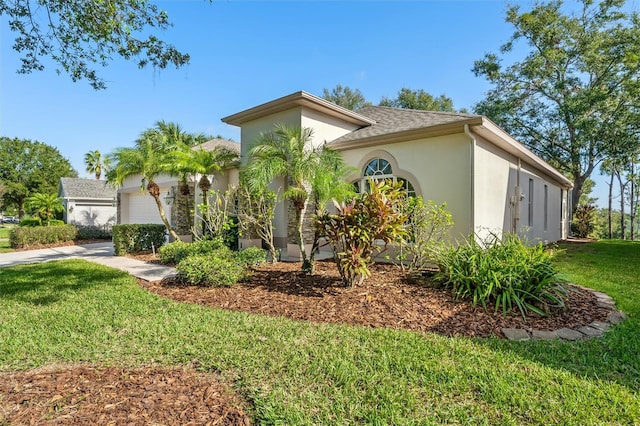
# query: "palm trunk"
154,191
299,216
204,185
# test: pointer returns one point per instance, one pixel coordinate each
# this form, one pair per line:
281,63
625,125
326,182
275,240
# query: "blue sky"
244,53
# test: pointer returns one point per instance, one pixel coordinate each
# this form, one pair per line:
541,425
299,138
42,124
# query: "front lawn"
5,230
294,372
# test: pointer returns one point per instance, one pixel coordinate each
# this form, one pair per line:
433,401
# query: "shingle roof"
394,120
215,143
86,188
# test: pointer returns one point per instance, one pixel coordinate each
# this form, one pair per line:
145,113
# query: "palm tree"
45,205
154,154
206,163
149,158
96,164
286,152
329,182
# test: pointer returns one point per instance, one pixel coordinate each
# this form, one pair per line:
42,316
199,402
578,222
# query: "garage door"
143,209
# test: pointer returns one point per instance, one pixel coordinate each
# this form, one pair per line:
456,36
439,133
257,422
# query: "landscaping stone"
543,335
616,317
600,325
516,334
569,334
606,305
590,331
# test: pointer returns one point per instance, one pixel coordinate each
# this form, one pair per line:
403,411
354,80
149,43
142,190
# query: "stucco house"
88,202
136,206
490,182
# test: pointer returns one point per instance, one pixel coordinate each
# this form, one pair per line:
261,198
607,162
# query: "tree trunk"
632,201
154,191
576,193
622,218
610,207
306,266
204,186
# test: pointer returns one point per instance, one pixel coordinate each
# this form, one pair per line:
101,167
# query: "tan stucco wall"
439,168
251,131
535,231
325,129
496,196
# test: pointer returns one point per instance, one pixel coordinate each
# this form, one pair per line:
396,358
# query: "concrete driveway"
101,253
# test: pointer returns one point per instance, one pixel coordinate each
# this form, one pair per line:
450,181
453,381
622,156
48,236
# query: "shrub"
29,221
136,238
427,226
251,256
210,270
174,252
93,233
583,220
356,227
505,272
23,237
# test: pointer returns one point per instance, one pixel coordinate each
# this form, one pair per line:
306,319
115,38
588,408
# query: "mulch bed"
385,299
88,395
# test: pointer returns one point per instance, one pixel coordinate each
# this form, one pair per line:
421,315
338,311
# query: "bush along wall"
137,238
29,236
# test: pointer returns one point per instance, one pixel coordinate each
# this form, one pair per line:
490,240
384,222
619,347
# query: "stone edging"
595,329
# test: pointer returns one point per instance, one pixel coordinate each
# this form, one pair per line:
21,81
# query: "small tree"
427,227
356,228
255,213
45,206
218,217
287,152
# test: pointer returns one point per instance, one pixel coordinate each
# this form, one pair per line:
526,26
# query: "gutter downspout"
473,172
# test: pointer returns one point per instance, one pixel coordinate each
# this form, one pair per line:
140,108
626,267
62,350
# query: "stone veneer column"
307,224
181,210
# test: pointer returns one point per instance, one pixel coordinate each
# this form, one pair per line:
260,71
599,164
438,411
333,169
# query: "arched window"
379,169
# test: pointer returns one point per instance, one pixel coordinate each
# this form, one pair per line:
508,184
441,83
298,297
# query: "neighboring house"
490,182
88,202
137,206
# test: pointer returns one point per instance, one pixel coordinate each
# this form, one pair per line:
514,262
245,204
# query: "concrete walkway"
101,253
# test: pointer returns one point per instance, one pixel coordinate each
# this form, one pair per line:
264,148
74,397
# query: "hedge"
28,236
137,238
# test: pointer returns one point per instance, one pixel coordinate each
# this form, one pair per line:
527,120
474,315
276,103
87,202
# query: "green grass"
5,229
294,372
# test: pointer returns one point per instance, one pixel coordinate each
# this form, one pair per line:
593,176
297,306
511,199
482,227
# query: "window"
530,202
546,207
378,169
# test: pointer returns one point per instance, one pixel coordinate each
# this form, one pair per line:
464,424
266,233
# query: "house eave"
494,134
298,99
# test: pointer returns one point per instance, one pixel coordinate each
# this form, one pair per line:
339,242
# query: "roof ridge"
423,111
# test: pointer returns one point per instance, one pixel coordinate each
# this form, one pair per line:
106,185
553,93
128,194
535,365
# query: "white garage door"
143,209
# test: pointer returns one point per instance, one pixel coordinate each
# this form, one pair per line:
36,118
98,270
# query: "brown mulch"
88,395
385,299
